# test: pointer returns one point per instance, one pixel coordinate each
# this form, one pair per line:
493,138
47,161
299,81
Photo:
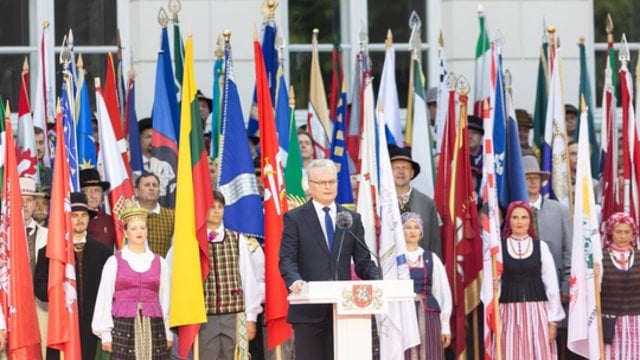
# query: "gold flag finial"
25,66
551,29
227,35
7,111
174,7
80,62
609,28
268,10
388,42
45,24
292,97
441,39
163,18
583,104
581,40
219,53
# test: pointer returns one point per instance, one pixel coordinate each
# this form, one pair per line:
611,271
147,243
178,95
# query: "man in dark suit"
90,256
309,252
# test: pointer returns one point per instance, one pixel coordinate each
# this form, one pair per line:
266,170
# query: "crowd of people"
123,295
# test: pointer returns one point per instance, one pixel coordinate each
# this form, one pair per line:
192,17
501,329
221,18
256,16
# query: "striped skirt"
626,341
139,338
430,336
524,331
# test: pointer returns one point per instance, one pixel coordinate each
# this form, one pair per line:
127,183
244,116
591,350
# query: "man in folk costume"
553,225
412,200
161,220
36,240
90,256
231,290
101,226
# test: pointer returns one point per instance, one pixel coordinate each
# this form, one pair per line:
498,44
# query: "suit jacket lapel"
314,226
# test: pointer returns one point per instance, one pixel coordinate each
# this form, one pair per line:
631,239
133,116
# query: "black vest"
522,278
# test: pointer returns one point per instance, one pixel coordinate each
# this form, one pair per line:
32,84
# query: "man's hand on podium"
297,286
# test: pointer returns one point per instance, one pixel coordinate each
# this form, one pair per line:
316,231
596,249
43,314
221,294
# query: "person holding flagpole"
431,285
620,292
131,316
529,299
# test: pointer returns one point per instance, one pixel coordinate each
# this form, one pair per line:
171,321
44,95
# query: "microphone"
344,220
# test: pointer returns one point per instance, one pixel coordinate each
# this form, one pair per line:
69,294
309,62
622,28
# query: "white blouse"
549,276
440,288
102,322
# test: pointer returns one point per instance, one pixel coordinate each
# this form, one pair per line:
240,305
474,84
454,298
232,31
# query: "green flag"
542,93
585,93
293,173
178,53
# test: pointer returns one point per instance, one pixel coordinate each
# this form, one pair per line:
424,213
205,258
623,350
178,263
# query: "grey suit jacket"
554,226
425,206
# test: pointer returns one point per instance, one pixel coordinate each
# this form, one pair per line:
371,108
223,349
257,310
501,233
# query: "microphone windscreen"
344,220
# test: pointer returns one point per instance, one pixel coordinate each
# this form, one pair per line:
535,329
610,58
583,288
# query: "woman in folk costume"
621,287
430,283
529,294
132,310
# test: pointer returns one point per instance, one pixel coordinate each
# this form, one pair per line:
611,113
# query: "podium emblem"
362,297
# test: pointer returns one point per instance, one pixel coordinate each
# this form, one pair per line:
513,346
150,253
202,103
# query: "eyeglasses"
328,183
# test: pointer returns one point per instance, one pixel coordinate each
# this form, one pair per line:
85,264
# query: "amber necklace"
519,241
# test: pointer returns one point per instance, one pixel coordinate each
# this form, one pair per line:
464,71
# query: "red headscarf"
507,231
613,221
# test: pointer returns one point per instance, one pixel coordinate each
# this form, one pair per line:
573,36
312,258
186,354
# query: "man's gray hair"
320,164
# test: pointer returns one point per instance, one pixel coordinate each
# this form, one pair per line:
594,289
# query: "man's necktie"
328,224
78,248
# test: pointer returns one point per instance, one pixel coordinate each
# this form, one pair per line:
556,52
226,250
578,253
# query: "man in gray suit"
410,199
553,226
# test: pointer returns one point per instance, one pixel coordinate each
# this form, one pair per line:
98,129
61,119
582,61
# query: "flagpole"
196,345
496,307
279,352
476,339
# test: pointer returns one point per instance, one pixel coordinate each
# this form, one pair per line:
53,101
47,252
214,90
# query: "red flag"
630,142
336,80
465,264
26,153
63,330
275,205
111,101
16,290
115,169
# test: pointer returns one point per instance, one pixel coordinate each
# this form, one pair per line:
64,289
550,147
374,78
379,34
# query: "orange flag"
16,285
63,330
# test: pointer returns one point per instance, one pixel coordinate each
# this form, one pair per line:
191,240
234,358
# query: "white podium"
353,304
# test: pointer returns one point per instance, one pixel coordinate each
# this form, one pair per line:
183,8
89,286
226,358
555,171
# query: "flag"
499,112
338,151
422,151
26,152
337,77
283,115
275,205
366,200
293,174
135,151
121,90
398,328
442,110
465,265
237,180
169,83
611,199
388,107
554,152
3,139
178,57
542,94
69,126
491,247
63,328
164,142
514,185
630,139
16,293
482,82
110,99
69,67
218,76
583,335
270,56
318,124
87,158
354,120
585,91
43,108
115,171
190,250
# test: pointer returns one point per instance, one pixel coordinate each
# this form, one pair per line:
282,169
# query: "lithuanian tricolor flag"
187,298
